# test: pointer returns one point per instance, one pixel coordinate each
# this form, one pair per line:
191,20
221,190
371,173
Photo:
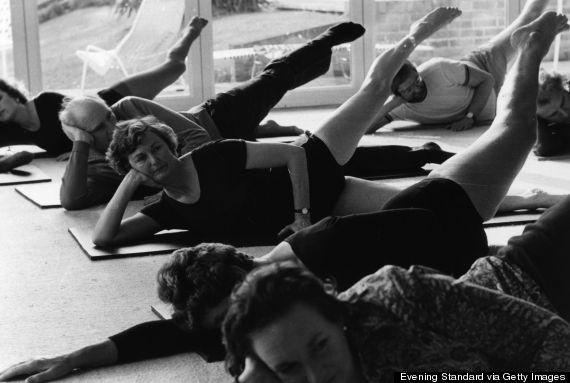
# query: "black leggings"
431,223
238,112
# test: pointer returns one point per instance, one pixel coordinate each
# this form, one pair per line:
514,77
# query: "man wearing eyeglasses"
456,93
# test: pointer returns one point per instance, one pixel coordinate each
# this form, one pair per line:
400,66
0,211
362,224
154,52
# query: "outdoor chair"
156,26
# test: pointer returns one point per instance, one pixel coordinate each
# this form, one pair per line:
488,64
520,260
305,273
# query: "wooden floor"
54,299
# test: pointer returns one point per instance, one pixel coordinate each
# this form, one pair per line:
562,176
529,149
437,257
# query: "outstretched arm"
112,229
48,369
267,155
383,118
144,341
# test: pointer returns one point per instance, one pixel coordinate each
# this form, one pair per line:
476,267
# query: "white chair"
155,28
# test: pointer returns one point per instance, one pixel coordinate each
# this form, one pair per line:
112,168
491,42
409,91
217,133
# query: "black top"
160,338
50,135
233,201
347,249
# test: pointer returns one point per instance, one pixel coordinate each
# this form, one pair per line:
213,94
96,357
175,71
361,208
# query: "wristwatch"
470,115
303,211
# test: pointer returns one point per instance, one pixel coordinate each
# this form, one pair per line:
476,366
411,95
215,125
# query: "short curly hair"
128,136
549,82
13,89
197,278
267,294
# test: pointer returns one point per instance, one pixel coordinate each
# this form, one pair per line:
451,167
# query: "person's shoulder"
438,63
218,145
389,279
49,97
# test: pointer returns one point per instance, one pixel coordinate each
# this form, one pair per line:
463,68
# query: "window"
68,45
6,45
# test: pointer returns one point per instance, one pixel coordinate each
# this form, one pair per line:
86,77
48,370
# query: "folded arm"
112,229
268,155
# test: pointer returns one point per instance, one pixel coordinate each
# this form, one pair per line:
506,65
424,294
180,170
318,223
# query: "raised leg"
487,168
151,82
502,49
344,128
238,112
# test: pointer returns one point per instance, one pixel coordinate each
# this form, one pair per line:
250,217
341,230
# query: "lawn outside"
62,36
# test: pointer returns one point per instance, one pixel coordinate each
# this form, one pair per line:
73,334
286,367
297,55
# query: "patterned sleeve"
505,328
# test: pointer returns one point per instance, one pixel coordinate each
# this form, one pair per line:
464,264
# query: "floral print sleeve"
505,331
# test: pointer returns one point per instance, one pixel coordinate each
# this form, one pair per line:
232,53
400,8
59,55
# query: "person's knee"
175,65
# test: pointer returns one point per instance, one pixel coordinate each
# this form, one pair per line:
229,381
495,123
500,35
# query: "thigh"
364,196
449,202
238,112
485,58
326,177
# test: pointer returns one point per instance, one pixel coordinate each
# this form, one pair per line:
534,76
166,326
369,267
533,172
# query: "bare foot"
180,49
533,9
272,129
540,199
539,34
433,21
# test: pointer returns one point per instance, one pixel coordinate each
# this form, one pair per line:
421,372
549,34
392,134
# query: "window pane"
479,22
246,38
100,42
6,46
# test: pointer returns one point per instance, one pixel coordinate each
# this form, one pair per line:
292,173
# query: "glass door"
6,41
85,46
247,36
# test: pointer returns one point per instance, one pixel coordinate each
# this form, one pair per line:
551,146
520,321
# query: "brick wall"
481,20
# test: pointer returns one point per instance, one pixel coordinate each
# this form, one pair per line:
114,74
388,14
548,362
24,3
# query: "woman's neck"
27,117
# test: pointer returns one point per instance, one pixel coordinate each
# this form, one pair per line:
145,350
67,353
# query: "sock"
340,34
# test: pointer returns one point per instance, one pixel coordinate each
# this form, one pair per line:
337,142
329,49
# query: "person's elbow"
72,203
101,241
